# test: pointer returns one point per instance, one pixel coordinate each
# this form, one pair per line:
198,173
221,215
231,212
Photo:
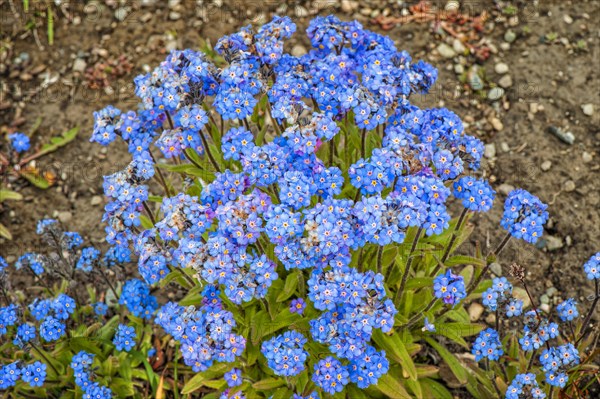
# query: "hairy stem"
379,256
586,322
459,223
413,320
489,262
400,291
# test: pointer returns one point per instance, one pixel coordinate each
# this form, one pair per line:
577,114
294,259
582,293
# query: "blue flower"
52,329
449,287
592,267
487,345
124,339
19,142
567,310
330,375
524,216
285,353
34,374
297,306
9,375
233,377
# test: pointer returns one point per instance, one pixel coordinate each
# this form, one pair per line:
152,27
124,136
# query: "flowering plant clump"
297,222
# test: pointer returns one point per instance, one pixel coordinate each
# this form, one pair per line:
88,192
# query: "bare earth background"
531,67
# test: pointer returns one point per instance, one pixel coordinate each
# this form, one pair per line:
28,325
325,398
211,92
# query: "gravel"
495,93
446,51
489,150
588,109
501,68
586,157
569,186
546,165
505,81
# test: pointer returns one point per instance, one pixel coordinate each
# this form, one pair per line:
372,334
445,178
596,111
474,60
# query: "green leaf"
58,141
146,222
282,393
268,383
4,232
262,325
464,260
456,367
391,387
395,348
291,282
434,389
9,195
35,178
199,379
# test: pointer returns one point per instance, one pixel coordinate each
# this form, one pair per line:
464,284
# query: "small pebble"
510,36
121,13
489,150
475,311
588,109
446,51
505,81
551,291
495,93
544,307
505,188
65,217
569,186
174,15
544,299
568,19
546,165
504,147
496,124
298,50
501,68
521,294
496,268
565,137
586,157
490,319
474,79
79,65
458,46
96,200
459,69
568,241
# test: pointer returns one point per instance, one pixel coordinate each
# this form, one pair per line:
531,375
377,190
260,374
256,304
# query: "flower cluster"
487,345
449,287
592,267
124,339
556,361
81,364
524,215
205,333
500,295
137,298
524,385
285,353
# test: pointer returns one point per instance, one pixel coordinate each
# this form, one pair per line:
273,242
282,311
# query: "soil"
553,63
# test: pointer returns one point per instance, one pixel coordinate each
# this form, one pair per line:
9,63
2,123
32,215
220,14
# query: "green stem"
208,152
488,263
586,322
45,358
379,256
363,142
418,316
459,223
400,291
